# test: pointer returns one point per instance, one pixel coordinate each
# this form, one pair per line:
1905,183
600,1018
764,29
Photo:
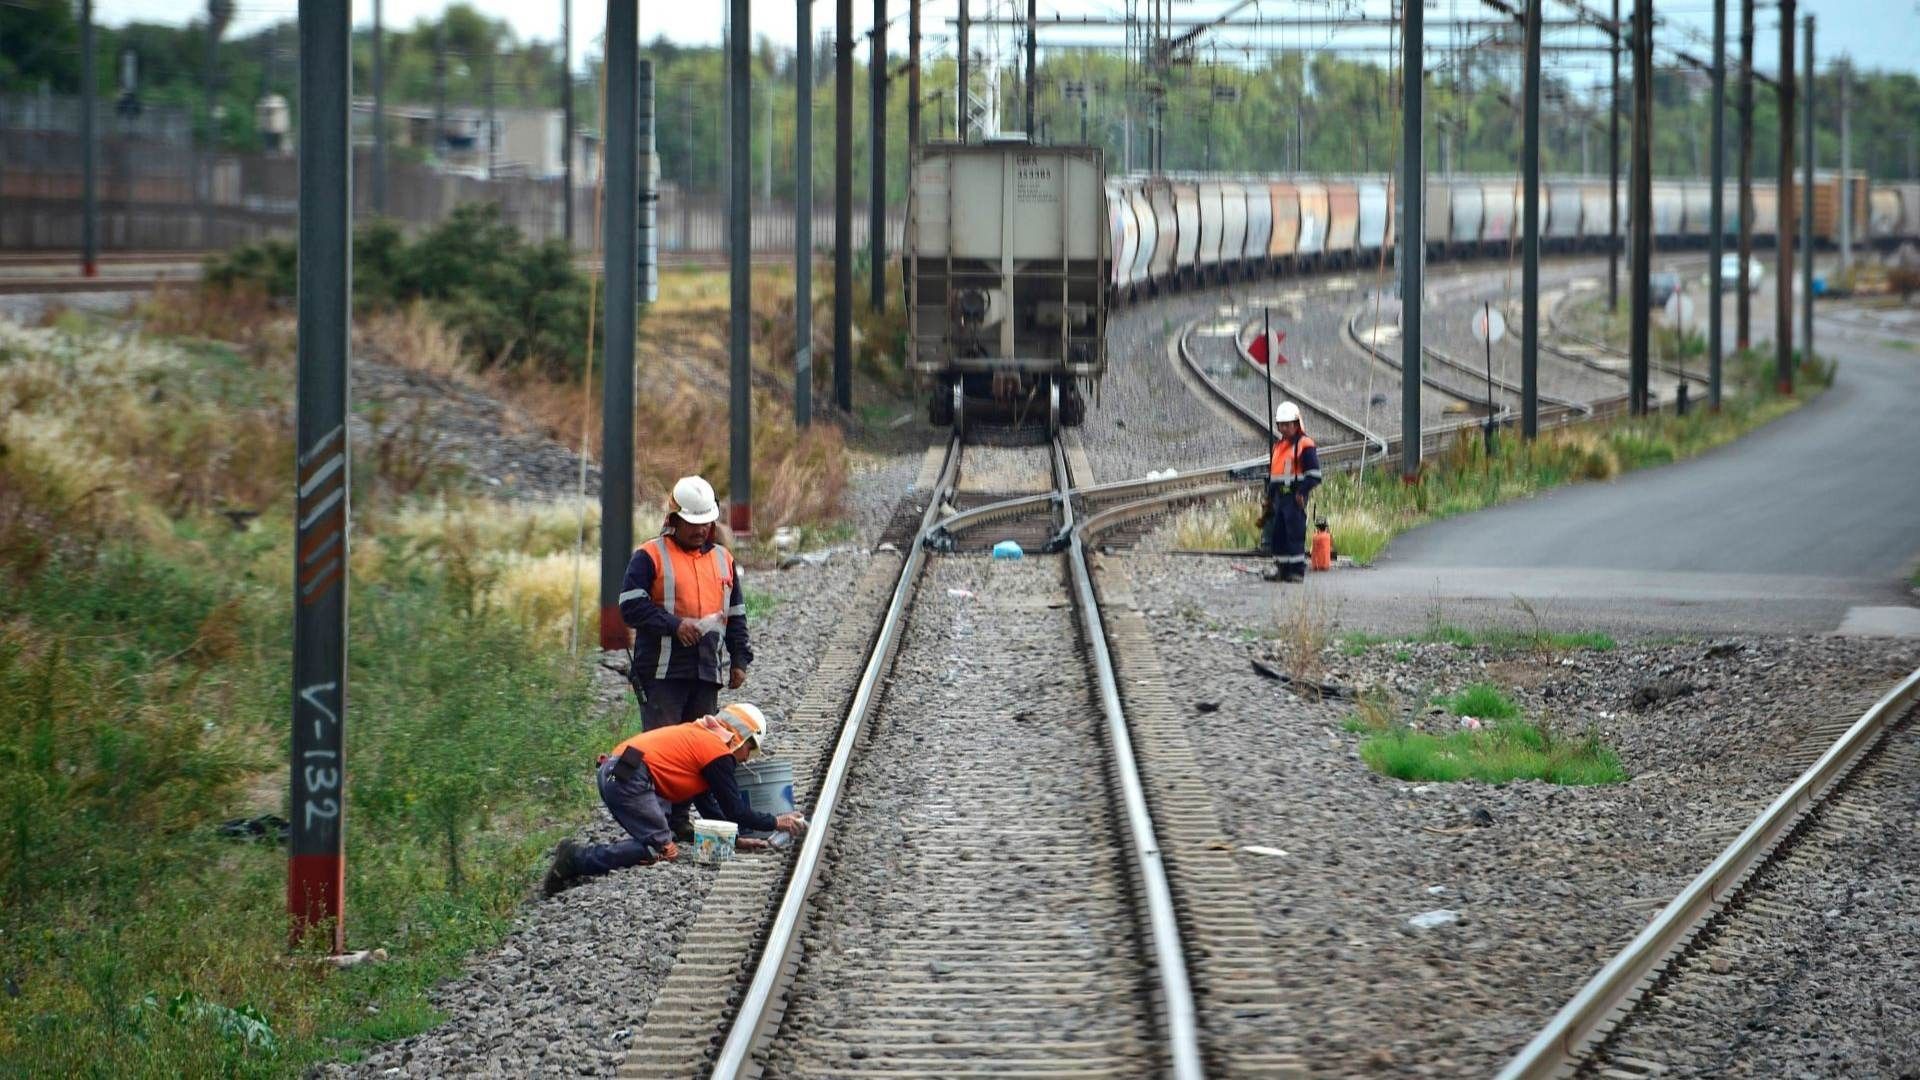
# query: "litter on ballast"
1427,920
1257,849
1008,549
964,594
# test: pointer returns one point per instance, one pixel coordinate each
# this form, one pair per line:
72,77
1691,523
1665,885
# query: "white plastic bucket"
713,840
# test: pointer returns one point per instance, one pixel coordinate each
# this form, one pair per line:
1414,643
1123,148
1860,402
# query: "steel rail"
1179,1020
757,1015
1257,420
1587,1019
1366,434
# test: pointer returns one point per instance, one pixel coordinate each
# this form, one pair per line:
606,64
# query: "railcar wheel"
959,407
940,407
1053,407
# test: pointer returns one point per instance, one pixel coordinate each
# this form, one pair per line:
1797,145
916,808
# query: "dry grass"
1303,628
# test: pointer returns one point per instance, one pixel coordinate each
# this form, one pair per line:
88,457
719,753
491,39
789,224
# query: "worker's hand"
738,679
790,823
687,633
1300,501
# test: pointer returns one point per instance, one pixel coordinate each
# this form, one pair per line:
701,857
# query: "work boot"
561,873
682,829
1273,573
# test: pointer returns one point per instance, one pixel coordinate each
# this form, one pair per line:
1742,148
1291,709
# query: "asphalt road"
1809,525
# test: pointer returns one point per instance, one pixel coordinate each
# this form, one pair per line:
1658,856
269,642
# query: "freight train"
1169,232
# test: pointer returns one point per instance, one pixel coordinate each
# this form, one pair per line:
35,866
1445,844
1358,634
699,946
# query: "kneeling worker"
1292,474
647,774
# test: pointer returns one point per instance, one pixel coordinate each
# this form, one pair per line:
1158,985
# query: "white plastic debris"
1256,849
964,594
1427,920
1437,890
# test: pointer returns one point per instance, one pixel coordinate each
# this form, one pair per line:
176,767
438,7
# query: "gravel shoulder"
1546,882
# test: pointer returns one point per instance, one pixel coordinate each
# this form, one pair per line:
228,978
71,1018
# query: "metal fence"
162,195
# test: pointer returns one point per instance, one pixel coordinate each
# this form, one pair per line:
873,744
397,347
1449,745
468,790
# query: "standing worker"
1292,474
683,598
656,769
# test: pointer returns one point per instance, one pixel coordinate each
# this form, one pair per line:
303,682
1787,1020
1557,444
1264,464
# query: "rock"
1649,694
1206,706
1720,965
1480,817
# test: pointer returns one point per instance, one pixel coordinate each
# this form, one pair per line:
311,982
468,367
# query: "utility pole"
1530,223
1640,218
1033,31
913,77
1413,186
493,139
620,243
877,153
647,229
316,866
963,95
1717,227
379,111
1743,299
740,269
1846,161
803,213
1806,209
766,188
843,209
566,119
1783,279
1613,172
89,152
439,85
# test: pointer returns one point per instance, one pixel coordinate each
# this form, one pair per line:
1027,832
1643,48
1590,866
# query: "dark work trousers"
639,810
1286,535
676,701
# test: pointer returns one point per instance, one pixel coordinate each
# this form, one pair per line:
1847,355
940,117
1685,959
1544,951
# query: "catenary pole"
1783,277
964,97
1033,32
1530,223
1640,217
1806,208
316,867
1743,298
647,179
877,157
1717,227
620,242
843,208
740,268
913,77
803,213
1412,186
89,149
1844,71
379,110
1613,171
566,121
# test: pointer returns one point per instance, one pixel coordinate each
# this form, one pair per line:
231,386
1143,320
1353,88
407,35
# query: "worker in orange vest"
645,775
1292,474
682,597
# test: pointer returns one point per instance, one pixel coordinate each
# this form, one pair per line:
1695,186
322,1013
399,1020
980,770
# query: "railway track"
1657,1007
1009,875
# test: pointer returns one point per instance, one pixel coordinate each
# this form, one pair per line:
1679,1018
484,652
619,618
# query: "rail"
1586,1019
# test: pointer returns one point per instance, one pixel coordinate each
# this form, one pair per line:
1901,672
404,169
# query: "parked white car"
1730,272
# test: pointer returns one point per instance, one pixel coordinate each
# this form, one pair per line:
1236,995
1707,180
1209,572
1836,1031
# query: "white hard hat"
693,501
746,720
1287,411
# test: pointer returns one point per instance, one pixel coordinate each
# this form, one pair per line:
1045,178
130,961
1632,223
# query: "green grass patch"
1482,700
1506,751
760,603
1496,639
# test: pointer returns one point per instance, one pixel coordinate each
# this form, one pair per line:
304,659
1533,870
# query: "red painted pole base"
88,268
613,629
740,519
1785,388
316,891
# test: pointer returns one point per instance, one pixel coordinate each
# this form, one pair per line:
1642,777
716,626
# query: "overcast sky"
1883,34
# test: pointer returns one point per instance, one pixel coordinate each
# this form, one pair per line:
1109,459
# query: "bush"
513,302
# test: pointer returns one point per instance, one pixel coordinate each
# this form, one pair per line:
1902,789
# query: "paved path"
1807,526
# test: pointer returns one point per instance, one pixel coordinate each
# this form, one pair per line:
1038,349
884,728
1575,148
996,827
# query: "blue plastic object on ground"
1819,286
1007,549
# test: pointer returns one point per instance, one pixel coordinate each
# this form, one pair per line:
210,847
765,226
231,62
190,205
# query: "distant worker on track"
682,597
1292,474
646,776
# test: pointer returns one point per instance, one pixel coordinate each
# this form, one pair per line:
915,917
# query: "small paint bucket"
713,840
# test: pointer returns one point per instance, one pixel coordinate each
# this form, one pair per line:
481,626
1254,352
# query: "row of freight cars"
1170,231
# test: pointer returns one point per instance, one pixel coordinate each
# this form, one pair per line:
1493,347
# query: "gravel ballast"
1544,882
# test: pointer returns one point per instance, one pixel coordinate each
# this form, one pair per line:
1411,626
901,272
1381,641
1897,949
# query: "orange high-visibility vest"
675,755
1285,464
691,584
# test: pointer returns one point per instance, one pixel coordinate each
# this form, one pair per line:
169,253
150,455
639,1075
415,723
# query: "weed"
1483,701
1506,751
1303,630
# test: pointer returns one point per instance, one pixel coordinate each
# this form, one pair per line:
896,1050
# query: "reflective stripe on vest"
682,576
1285,464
